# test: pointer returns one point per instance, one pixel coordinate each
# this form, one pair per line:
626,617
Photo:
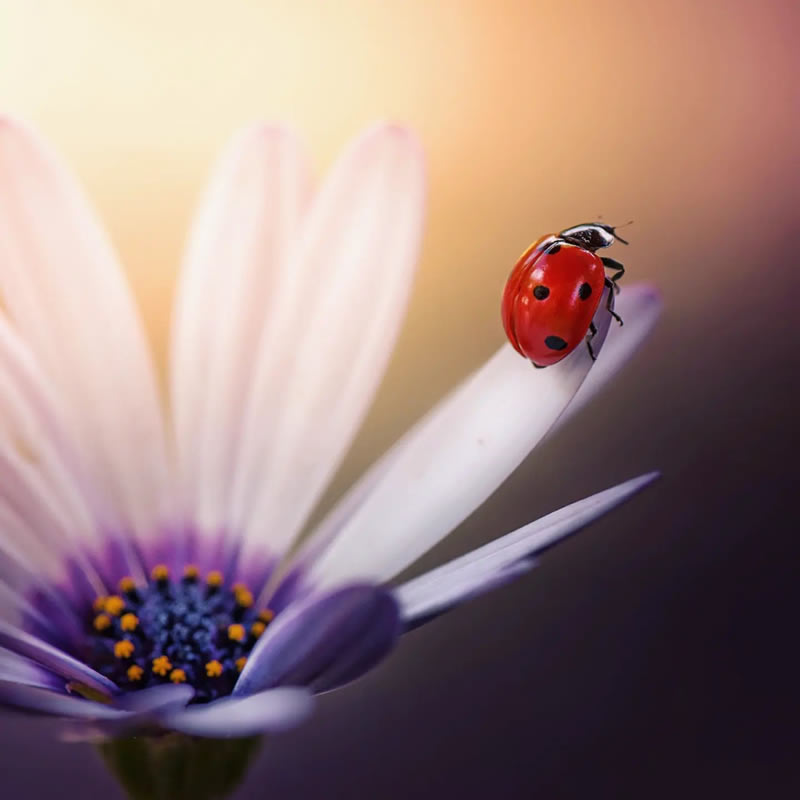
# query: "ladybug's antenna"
613,231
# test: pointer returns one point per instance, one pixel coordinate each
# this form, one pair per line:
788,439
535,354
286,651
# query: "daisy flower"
150,573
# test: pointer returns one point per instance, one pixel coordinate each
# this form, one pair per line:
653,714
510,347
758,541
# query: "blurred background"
652,655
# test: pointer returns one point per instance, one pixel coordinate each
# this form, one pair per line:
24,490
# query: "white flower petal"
63,289
452,460
639,306
34,425
250,214
323,354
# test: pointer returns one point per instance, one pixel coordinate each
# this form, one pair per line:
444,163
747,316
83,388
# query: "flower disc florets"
188,630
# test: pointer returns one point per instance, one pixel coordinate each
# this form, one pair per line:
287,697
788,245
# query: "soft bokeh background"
649,657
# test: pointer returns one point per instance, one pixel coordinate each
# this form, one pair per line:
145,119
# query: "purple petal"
18,669
271,711
440,589
45,701
331,634
157,698
48,656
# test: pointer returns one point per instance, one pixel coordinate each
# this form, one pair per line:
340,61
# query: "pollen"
129,622
240,662
115,605
236,632
266,616
213,669
177,676
244,597
101,622
257,628
160,573
190,572
135,672
99,603
161,665
214,578
124,649
127,584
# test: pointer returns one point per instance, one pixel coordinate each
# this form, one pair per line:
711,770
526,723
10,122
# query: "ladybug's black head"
591,236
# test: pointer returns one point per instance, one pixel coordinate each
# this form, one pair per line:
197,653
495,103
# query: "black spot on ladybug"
555,342
554,249
541,292
585,291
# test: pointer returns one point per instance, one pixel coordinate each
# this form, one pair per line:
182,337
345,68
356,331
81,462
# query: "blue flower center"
189,630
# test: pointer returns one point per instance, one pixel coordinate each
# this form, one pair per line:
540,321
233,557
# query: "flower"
150,567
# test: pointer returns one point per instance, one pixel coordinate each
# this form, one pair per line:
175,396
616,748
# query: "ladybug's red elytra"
555,289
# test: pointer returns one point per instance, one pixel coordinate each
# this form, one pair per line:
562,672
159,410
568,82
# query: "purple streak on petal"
446,586
256,575
33,698
271,711
77,588
56,660
64,630
310,637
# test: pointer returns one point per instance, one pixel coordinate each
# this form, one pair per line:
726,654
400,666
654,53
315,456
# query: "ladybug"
555,289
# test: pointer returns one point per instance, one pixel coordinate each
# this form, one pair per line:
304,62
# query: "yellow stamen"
135,672
257,628
177,676
214,578
190,571
127,584
161,665
240,662
99,602
124,649
244,598
129,622
238,587
266,616
159,572
101,622
236,632
213,669
115,605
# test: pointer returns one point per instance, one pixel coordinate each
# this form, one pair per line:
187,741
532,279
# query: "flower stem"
177,767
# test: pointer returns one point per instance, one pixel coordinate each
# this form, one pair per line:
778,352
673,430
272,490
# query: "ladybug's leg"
593,332
610,302
611,263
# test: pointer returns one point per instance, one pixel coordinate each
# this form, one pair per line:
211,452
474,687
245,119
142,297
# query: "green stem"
177,767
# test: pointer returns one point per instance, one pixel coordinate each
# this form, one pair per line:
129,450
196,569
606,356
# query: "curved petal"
323,635
640,306
157,698
272,711
55,660
63,289
494,564
18,669
250,214
33,420
339,309
451,461
45,701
